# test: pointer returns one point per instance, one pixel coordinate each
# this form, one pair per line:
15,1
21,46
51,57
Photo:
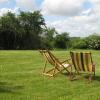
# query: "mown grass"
21,79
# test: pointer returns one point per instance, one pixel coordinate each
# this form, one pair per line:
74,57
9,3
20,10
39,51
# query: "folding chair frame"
56,69
91,74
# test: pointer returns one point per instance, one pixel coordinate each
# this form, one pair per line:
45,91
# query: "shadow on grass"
97,78
71,77
9,88
64,73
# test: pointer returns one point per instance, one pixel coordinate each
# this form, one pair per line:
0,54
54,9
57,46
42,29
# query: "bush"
61,40
93,42
78,43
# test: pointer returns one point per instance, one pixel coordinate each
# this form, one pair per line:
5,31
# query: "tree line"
28,30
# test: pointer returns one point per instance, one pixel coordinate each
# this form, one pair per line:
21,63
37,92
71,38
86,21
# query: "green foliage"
21,31
93,42
77,42
30,24
90,42
61,40
28,31
8,31
47,38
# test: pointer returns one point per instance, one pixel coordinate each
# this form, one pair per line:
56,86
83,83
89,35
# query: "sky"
80,18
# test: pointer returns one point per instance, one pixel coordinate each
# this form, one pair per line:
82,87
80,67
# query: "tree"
62,40
47,38
21,31
8,31
31,23
78,43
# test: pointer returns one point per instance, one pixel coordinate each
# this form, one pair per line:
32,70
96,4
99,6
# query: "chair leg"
90,78
77,72
54,71
44,67
71,74
47,72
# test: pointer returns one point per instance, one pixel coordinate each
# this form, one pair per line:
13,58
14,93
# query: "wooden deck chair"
83,62
57,65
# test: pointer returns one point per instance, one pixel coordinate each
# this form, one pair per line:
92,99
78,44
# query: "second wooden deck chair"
82,61
57,65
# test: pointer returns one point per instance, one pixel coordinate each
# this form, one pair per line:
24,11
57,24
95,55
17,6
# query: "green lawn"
21,79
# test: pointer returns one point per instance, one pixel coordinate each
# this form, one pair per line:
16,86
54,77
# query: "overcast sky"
78,17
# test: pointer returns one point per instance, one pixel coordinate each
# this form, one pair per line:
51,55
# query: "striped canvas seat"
58,66
82,61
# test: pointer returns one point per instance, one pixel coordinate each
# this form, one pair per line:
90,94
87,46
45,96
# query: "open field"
21,79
